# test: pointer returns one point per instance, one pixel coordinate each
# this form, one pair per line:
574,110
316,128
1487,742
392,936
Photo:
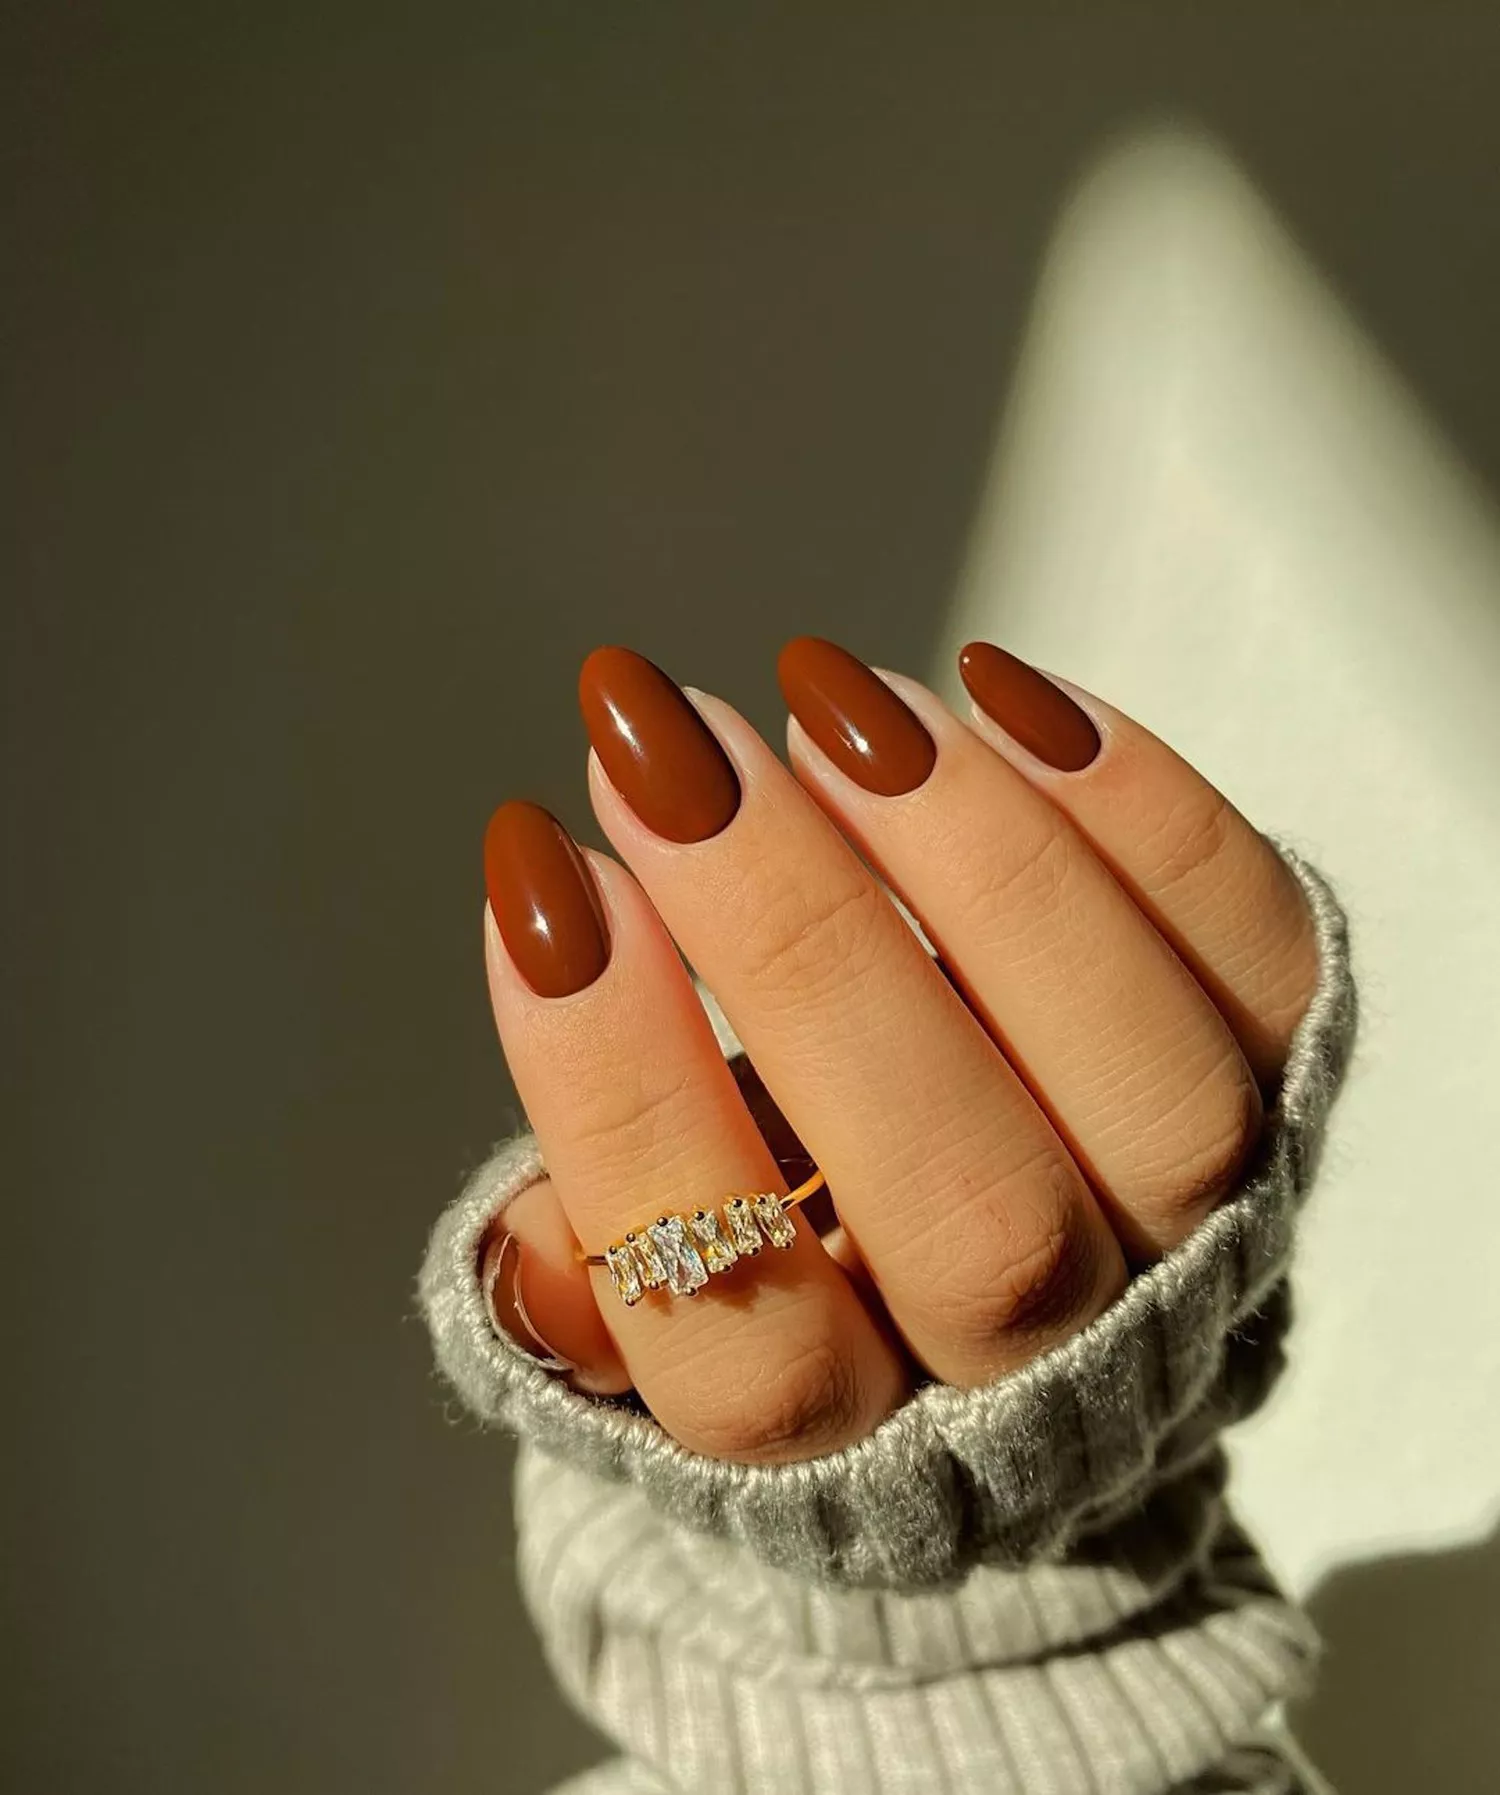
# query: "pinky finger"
540,1293
1211,883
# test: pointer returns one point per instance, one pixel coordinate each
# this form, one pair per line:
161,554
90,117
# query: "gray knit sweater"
1036,1586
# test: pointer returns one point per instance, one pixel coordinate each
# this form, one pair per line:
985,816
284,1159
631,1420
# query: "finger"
1212,885
1111,1033
978,1228
638,1117
540,1294
819,1211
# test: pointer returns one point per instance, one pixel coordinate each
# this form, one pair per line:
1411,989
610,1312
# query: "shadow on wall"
1409,1695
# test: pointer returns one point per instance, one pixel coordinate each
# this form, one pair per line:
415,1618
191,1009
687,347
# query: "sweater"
1033,1586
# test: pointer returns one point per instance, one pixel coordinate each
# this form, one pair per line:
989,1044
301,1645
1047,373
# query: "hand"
1006,1131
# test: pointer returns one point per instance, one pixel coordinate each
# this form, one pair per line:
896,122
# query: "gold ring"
678,1253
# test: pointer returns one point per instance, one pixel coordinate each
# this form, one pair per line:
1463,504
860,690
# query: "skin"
1126,960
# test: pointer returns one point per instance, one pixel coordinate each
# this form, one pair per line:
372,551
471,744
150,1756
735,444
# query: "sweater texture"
1032,1586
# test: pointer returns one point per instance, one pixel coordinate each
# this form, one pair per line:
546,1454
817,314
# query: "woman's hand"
1006,1131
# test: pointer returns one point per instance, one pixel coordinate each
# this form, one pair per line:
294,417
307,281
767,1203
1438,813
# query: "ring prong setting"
680,1253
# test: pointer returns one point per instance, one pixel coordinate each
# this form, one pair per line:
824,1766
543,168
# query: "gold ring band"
679,1253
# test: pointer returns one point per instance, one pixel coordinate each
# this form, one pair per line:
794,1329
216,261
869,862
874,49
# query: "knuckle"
803,940
1051,1289
1193,834
630,1118
807,1402
1021,1262
1213,1148
1030,882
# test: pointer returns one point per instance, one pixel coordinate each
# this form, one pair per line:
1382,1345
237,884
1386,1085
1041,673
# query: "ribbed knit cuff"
1007,1473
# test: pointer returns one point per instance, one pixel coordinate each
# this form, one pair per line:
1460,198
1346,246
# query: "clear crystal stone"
625,1272
742,1229
684,1263
653,1271
774,1220
716,1247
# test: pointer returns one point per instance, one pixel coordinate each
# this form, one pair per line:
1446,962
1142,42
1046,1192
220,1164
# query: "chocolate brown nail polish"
544,901
854,717
659,754
1026,705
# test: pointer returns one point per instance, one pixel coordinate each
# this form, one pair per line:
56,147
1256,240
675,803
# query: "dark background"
360,373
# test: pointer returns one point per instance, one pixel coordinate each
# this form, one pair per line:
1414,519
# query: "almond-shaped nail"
544,900
658,753
854,717
1028,707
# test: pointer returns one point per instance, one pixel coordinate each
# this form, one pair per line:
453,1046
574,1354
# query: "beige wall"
359,378
1216,501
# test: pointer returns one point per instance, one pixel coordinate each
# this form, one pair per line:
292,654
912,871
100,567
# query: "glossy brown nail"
854,717
658,753
1028,707
544,901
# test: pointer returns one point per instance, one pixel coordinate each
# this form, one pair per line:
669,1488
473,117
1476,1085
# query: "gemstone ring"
678,1253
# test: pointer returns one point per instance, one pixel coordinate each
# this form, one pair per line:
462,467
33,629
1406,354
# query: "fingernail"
500,1279
659,754
1028,707
544,901
854,717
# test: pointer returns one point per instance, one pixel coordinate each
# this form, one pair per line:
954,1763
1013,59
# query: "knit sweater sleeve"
1032,1585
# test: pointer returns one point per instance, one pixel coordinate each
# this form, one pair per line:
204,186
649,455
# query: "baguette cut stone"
685,1270
626,1274
714,1244
653,1272
742,1229
681,1252
776,1224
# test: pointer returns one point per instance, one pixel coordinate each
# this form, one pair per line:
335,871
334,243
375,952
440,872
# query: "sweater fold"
1009,1472
1032,1588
